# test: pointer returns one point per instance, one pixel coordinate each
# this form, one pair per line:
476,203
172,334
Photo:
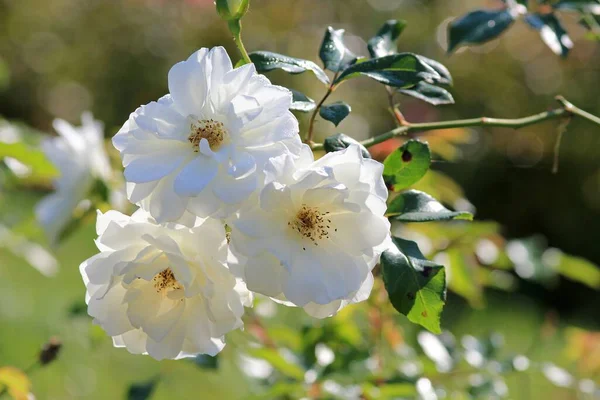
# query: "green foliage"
444,77
339,141
415,285
41,168
534,261
483,25
574,268
206,362
401,70
417,206
267,61
551,32
384,42
301,102
282,365
578,5
334,54
478,27
142,391
429,93
406,165
335,112
464,280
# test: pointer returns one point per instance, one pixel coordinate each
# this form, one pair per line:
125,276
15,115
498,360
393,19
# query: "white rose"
80,156
203,147
316,232
162,290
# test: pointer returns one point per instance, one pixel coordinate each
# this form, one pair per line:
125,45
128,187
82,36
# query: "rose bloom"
162,290
315,232
80,157
203,147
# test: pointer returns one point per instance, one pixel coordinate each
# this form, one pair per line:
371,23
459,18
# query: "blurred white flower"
79,155
162,290
203,147
316,231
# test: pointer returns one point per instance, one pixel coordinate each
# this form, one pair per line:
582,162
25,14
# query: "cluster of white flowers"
222,152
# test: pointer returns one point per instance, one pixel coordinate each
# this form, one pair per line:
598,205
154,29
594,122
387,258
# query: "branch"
567,110
311,123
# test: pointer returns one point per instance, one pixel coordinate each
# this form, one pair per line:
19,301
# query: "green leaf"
406,165
591,22
478,27
577,5
416,206
551,32
339,141
416,286
445,77
395,391
280,390
41,167
205,361
575,268
267,61
401,70
142,391
484,389
429,93
278,362
463,279
335,112
78,309
301,102
384,42
334,54
526,255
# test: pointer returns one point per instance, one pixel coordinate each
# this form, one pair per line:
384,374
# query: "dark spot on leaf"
389,182
406,156
424,314
426,272
410,295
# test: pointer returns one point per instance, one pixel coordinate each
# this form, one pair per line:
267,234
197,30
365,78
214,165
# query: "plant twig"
566,110
393,108
311,123
560,131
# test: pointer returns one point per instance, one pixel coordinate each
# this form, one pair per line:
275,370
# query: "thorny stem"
235,26
311,123
567,110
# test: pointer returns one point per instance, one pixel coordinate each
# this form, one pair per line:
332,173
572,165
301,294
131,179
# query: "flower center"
165,280
213,131
311,223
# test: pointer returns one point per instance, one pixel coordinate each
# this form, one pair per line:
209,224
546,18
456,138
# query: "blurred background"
59,58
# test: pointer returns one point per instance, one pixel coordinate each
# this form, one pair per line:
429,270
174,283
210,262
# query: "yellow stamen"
213,131
311,223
